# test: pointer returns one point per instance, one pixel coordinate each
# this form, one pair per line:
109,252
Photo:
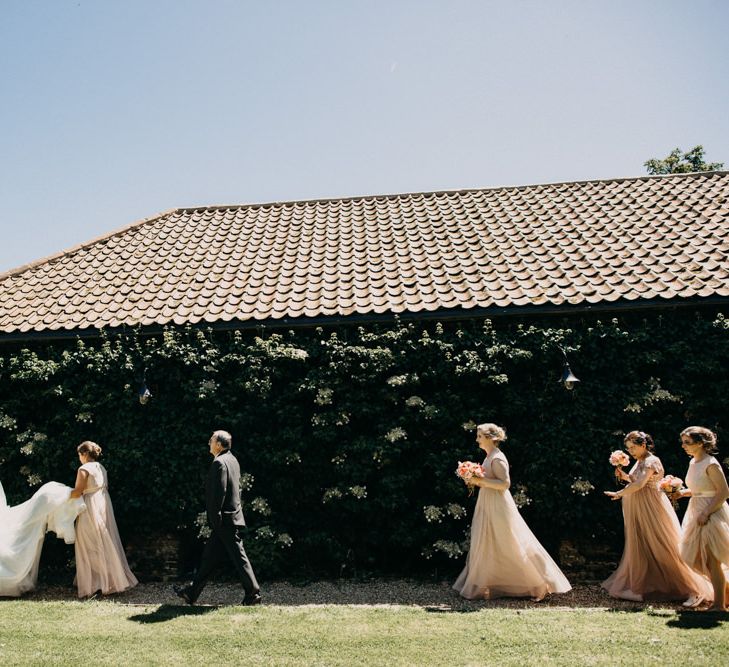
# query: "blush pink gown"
713,537
505,559
651,567
101,564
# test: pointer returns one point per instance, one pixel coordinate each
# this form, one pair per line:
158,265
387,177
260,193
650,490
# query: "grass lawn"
110,633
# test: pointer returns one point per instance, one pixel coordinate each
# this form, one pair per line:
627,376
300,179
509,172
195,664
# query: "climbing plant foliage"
348,437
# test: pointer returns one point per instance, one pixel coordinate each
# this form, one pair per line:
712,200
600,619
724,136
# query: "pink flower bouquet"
671,486
467,470
619,458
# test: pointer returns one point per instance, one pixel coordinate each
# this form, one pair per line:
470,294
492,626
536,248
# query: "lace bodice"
650,465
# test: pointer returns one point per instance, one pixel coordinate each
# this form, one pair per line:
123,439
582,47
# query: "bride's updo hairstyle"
640,438
702,436
91,449
496,433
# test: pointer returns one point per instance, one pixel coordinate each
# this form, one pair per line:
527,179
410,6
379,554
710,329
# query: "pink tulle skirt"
699,542
505,559
651,567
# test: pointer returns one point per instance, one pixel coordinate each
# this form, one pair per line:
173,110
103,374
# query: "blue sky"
113,111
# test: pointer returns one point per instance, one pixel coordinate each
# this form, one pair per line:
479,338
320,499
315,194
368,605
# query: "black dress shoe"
250,600
184,593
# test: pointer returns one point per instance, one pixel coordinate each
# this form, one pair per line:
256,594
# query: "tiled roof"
579,244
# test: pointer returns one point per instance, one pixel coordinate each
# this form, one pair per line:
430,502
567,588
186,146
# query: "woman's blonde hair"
493,431
91,449
702,436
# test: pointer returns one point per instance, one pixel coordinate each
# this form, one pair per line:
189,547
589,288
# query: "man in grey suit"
225,518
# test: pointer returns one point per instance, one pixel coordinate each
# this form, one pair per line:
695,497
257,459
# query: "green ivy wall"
348,437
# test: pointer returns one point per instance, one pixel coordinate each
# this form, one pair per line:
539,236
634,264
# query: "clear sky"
113,111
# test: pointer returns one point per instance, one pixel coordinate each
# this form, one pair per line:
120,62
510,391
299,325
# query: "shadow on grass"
445,609
168,612
698,620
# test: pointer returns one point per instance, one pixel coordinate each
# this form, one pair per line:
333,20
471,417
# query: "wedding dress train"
23,527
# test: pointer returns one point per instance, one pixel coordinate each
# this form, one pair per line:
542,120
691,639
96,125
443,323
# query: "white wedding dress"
23,527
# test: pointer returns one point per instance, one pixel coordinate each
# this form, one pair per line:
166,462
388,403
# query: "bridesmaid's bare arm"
636,485
81,477
716,475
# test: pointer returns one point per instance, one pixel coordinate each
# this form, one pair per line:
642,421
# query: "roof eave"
444,314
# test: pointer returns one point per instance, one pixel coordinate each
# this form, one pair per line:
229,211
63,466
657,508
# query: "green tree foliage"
348,437
679,162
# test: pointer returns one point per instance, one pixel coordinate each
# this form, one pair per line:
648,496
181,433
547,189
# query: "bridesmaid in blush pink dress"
651,567
705,545
505,559
101,564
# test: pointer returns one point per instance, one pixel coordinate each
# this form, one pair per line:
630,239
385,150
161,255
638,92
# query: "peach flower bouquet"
619,458
671,485
467,470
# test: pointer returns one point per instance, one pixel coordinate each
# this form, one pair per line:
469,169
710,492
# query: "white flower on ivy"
246,481
27,449
85,417
581,486
284,540
261,506
450,549
293,458
358,492
433,514
395,434
201,521
264,533
397,380
324,396
470,425
7,422
455,510
34,480
342,419
414,402
331,494
296,353
339,460
521,499
429,411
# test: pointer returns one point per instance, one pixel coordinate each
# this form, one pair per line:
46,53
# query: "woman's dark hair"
641,438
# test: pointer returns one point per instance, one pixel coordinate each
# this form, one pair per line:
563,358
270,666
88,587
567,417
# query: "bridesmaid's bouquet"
467,470
671,486
619,459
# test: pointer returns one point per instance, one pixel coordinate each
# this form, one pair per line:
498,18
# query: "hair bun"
91,449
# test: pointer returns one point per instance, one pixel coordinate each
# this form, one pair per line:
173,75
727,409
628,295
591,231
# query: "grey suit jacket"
222,492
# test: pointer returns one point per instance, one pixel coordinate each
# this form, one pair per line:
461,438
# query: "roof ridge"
397,195
117,232
81,246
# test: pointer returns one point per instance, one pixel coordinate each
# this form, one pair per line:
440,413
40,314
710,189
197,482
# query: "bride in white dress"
22,529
